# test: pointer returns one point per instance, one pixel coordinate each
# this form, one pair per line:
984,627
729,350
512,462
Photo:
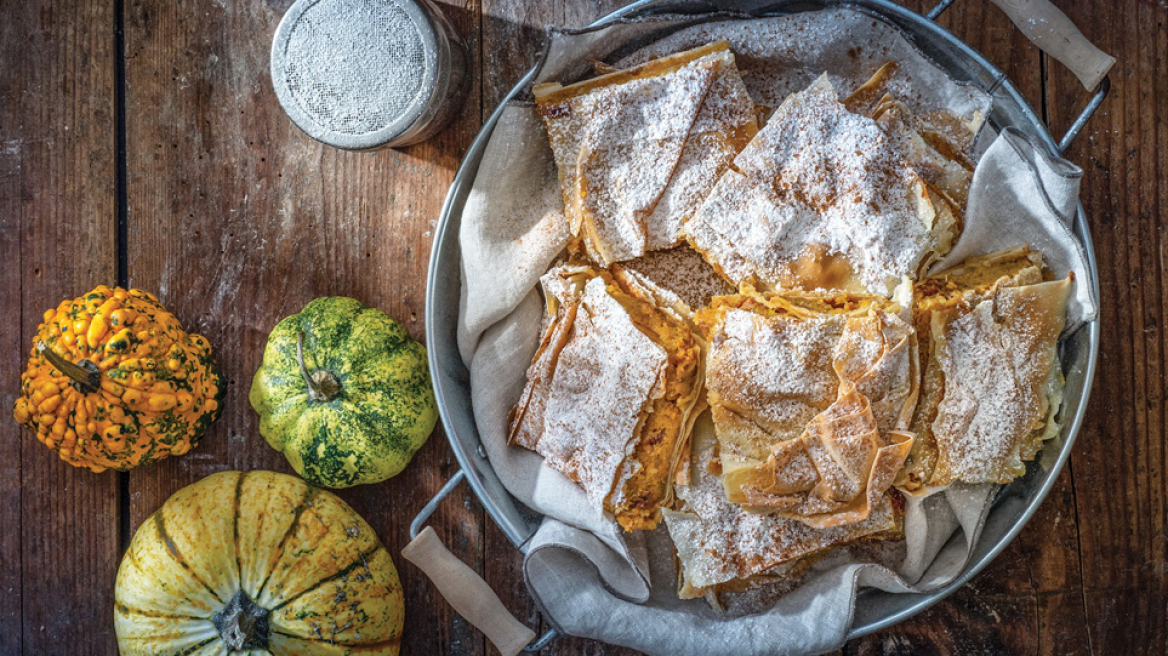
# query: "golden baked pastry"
810,396
834,383
638,150
991,384
837,195
833,474
722,547
935,145
612,391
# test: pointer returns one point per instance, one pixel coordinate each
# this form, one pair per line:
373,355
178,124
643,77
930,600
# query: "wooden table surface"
141,143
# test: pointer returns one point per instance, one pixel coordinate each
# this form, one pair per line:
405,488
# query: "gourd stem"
86,376
322,385
242,624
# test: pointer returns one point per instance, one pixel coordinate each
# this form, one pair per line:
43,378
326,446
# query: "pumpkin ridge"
323,427
127,610
235,526
380,339
305,504
189,650
186,652
411,374
193,648
335,356
335,315
376,425
282,409
132,557
172,549
360,645
362,559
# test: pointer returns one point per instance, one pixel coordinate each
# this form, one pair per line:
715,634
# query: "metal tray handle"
1049,29
463,588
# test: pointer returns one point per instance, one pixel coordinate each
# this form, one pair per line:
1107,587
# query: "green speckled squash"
344,393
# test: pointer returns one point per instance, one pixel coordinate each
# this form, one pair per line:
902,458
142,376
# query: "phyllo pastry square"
638,150
612,391
854,195
991,384
810,396
721,546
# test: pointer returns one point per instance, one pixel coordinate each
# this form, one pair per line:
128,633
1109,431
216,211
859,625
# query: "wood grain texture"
12,350
59,215
238,219
1119,460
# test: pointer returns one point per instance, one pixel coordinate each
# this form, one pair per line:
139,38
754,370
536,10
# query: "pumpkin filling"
800,305
637,503
627,370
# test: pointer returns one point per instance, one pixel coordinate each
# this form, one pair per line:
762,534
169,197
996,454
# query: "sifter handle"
467,593
1050,29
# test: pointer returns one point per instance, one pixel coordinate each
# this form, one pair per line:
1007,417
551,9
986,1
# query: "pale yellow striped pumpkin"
257,563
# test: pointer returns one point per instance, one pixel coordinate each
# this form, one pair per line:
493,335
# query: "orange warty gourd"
114,382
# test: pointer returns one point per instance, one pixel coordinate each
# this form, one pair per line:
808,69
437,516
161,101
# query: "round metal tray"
1014,505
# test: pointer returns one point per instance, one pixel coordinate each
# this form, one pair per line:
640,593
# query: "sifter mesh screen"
355,66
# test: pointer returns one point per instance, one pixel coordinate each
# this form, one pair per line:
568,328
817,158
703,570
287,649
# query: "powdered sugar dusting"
983,406
606,375
636,157
997,359
616,147
717,541
819,175
776,373
878,353
724,125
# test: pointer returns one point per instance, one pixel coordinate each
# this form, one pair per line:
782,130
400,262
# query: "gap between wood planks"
1045,82
121,203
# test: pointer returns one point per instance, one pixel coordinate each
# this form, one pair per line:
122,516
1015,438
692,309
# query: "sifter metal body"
361,74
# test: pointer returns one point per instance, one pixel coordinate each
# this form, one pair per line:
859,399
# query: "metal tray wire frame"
1014,505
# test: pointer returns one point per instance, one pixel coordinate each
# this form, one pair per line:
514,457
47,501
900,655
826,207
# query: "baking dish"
1015,503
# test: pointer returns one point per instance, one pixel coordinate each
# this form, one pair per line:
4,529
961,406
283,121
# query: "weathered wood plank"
1119,462
238,219
58,201
11,340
